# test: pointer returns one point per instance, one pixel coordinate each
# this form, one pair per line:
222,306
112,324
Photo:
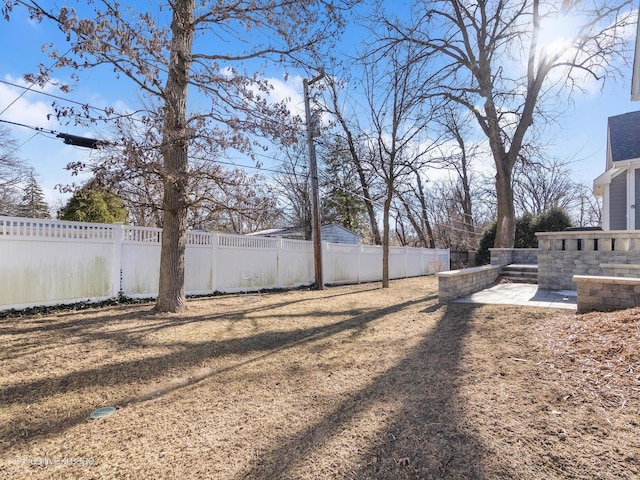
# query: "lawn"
353,382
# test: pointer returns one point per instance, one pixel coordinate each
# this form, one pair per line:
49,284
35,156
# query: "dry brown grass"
352,382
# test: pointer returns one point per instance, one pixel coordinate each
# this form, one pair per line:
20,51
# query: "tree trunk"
424,211
506,227
171,296
385,237
422,238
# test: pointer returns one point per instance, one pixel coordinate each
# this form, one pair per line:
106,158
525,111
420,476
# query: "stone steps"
520,273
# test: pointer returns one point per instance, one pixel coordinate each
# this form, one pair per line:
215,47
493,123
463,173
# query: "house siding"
618,202
637,200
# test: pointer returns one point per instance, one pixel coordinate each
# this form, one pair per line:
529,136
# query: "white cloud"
290,92
20,107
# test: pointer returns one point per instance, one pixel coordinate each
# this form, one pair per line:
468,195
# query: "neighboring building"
332,233
619,185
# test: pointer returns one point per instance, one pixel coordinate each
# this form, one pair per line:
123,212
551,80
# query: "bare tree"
160,59
415,204
540,184
221,198
398,127
511,63
456,127
233,201
12,173
586,208
450,220
353,136
294,188
454,152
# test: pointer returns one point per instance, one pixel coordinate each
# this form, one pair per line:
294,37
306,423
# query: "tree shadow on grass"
425,438
146,370
87,329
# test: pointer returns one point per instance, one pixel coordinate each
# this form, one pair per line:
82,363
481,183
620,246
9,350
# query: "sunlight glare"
557,34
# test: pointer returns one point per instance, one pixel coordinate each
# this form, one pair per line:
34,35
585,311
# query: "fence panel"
397,262
416,265
198,263
246,263
370,263
295,263
140,265
340,263
48,262
438,260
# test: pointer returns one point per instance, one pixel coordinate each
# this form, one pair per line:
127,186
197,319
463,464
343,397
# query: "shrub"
525,234
488,238
554,219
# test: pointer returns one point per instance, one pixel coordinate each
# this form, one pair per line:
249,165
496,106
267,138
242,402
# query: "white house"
619,185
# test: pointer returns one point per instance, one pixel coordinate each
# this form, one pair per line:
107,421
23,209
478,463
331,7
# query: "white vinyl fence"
50,262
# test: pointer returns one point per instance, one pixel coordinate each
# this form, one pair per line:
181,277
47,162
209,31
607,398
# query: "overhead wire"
38,129
32,84
50,95
41,130
23,144
326,178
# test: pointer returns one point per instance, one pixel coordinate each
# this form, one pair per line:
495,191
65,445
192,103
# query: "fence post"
118,237
406,262
279,263
324,245
215,240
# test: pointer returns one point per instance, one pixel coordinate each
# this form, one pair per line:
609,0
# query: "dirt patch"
352,382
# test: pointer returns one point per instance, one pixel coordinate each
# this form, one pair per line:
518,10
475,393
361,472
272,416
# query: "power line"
24,143
27,89
93,144
67,138
57,97
37,129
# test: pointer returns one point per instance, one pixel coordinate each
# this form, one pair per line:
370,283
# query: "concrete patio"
522,294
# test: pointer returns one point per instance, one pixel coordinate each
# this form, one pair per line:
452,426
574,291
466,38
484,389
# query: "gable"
338,234
624,136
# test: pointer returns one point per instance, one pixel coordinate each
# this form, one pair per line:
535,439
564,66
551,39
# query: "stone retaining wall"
606,293
507,256
459,283
561,255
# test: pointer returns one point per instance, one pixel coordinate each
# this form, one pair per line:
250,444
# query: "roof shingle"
624,136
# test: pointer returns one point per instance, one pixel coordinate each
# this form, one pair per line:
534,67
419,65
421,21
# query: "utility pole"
315,202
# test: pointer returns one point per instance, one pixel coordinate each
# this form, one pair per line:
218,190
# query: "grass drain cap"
102,412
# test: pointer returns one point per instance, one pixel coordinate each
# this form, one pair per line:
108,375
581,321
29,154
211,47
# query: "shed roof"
624,136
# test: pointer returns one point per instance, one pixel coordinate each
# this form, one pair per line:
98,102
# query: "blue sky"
580,135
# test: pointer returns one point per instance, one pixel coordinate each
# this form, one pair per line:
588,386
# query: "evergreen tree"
33,204
340,203
96,206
